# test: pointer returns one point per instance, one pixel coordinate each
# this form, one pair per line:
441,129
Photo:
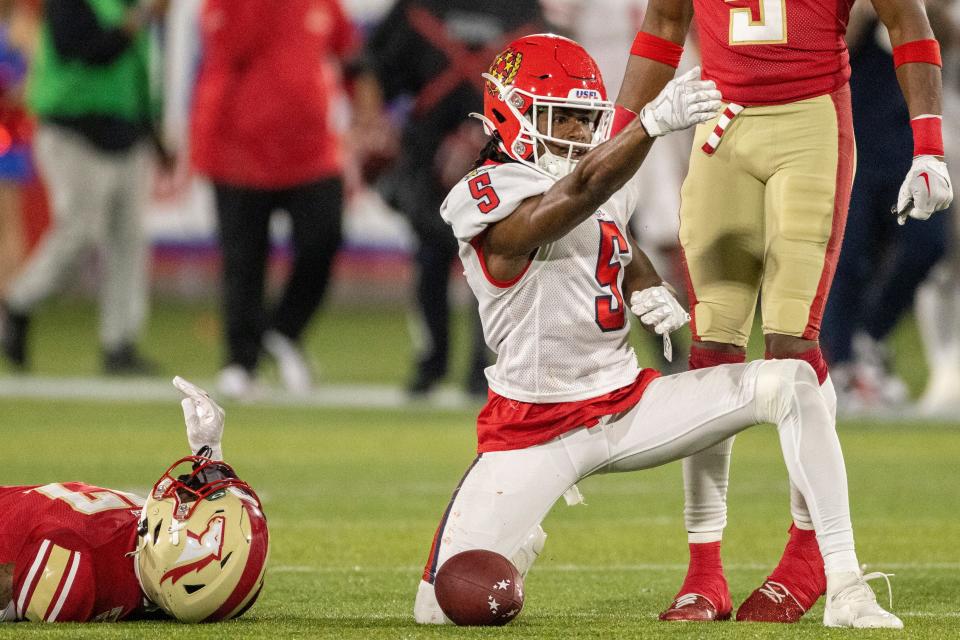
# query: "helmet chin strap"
555,165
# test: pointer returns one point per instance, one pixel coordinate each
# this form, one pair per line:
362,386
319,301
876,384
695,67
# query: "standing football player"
763,209
195,550
542,225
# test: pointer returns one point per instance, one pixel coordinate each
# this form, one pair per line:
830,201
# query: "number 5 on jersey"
609,309
484,193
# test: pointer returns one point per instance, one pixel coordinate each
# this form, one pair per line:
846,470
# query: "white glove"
658,308
684,102
203,416
926,189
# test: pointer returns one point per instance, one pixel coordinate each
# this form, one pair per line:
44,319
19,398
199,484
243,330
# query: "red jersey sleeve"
53,581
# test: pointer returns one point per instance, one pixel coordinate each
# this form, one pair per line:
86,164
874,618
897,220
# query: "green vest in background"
73,88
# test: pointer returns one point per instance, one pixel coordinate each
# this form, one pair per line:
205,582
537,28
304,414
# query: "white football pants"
706,475
506,493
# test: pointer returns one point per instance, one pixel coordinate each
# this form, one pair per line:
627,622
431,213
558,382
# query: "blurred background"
245,193
281,166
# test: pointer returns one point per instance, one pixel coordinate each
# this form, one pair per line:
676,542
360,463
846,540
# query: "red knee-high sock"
801,567
705,575
701,358
813,356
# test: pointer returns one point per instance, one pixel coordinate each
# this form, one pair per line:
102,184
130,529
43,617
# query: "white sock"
705,478
841,562
704,537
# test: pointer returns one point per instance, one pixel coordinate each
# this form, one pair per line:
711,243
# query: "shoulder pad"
489,194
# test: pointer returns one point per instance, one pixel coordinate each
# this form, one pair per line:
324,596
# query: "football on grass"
479,588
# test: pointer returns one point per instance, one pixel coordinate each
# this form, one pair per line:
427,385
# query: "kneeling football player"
542,224
195,549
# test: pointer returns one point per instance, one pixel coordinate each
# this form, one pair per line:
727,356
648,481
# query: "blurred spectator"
938,301
262,133
881,263
433,52
90,88
15,166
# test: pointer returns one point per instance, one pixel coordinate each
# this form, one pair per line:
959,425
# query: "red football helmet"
543,72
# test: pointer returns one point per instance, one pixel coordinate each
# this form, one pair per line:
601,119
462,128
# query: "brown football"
479,588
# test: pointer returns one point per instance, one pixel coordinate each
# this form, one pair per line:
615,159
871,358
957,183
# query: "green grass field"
353,498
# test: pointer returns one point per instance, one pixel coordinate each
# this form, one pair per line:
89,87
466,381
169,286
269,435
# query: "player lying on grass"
542,225
195,549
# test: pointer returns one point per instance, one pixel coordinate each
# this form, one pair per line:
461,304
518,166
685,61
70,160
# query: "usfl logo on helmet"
504,68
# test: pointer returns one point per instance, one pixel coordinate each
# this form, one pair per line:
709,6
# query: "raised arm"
667,21
916,54
601,172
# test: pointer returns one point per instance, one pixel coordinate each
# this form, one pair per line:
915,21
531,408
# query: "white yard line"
352,396
568,568
159,390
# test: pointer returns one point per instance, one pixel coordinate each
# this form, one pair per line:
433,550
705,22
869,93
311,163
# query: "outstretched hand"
685,101
203,417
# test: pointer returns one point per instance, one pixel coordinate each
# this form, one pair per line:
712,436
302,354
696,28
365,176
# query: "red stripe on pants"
846,164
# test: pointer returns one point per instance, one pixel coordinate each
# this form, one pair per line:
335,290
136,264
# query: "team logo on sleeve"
199,551
504,69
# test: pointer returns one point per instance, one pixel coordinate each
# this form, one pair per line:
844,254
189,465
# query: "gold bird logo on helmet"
504,68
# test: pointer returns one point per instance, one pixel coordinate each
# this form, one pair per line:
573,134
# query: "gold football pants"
764,216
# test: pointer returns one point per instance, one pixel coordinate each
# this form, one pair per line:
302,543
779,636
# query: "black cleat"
423,382
127,361
13,338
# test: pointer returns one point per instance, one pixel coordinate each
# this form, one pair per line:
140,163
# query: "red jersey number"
609,309
758,21
484,193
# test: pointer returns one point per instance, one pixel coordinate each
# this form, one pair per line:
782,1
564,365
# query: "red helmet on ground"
536,73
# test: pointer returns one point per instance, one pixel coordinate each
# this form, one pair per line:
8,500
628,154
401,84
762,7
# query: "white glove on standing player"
925,190
658,308
684,102
203,416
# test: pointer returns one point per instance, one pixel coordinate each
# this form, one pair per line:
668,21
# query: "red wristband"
917,51
621,118
927,136
647,45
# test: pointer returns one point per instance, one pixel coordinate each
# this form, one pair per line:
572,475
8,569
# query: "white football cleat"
426,610
236,383
852,603
529,550
294,369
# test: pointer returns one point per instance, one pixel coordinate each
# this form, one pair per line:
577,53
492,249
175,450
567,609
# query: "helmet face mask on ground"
202,542
533,82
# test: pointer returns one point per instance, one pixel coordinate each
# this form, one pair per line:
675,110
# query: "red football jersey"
70,545
774,51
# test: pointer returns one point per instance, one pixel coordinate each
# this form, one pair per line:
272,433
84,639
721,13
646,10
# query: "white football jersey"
560,329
